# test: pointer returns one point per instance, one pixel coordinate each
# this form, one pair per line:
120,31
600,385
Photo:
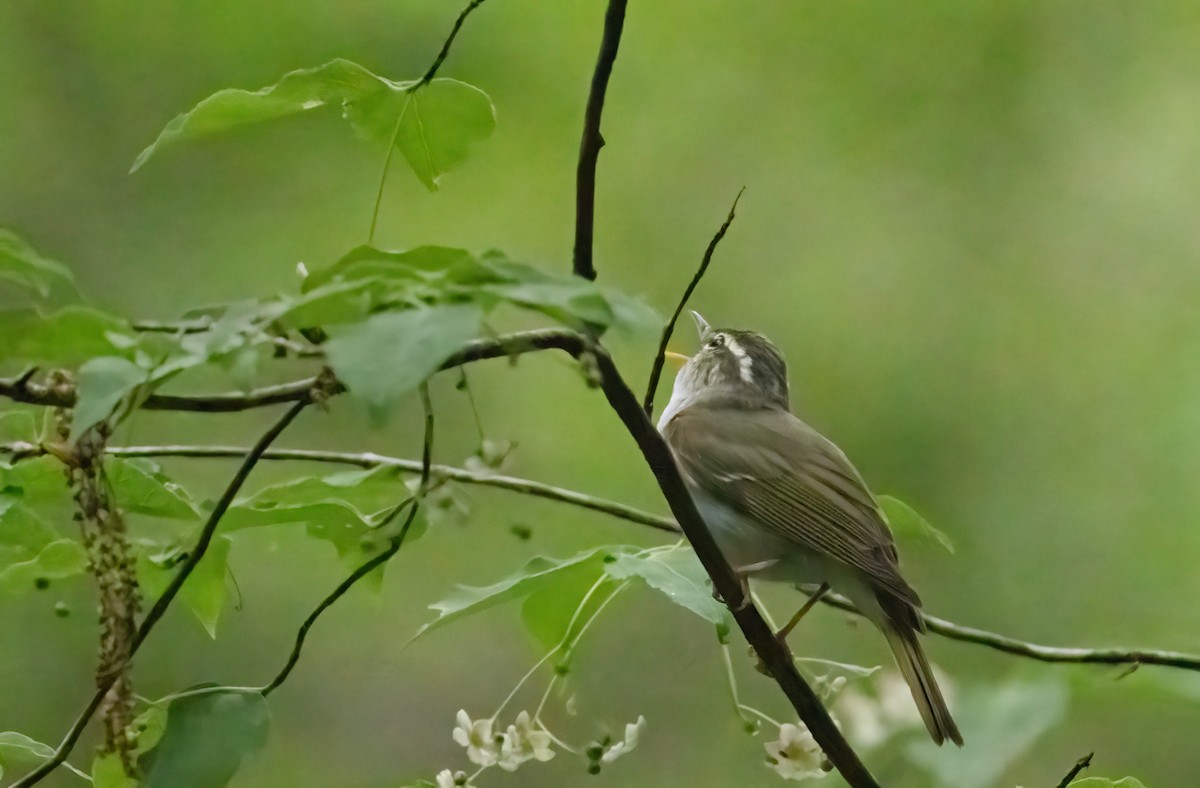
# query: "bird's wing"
771,466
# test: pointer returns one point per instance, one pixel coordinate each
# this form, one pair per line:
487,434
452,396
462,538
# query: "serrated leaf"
538,573
58,560
65,338
140,486
906,523
434,126
107,772
390,354
21,264
679,575
103,383
206,739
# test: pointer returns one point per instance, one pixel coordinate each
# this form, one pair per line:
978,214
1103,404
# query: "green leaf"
679,575
203,592
538,573
206,740
434,125
389,354
17,748
103,383
18,426
21,264
1010,717
65,338
1104,782
20,528
41,485
547,612
149,727
364,263
907,524
140,486
59,559
107,772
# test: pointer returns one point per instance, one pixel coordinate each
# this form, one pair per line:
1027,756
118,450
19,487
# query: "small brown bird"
785,504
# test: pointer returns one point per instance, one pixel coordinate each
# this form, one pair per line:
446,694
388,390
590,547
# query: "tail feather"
916,671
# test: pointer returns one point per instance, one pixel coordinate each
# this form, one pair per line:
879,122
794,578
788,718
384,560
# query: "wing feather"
795,482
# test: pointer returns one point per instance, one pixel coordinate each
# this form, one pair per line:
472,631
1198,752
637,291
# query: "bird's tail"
913,665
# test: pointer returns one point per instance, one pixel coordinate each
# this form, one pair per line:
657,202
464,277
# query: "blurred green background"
972,227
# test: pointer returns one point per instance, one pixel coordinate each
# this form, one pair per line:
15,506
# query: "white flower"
523,742
477,737
795,755
633,732
445,779
537,740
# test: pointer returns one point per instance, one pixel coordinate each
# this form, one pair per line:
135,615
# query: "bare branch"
168,595
22,388
669,328
371,460
1079,766
413,503
1095,656
591,141
441,56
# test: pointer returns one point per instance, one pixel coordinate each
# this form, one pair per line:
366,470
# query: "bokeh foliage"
972,229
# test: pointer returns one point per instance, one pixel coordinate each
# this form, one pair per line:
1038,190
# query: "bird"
785,504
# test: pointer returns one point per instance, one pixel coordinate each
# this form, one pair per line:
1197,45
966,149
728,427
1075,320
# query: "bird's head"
743,366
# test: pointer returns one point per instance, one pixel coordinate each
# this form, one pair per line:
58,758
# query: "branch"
22,389
669,328
591,141
441,56
770,649
164,601
394,545
1100,656
371,460
1079,766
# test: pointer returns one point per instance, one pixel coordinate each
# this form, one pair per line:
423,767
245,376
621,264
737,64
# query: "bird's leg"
743,575
807,606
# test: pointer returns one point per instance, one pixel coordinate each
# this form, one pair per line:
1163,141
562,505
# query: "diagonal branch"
164,601
770,649
413,504
441,56
669,328
1079,766
591,141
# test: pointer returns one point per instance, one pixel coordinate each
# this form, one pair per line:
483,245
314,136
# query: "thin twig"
168,595
669,328
1079,766
371,460
395,543
591,141
441,56
1094,656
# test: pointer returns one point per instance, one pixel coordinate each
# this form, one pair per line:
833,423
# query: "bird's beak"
678,359
702,327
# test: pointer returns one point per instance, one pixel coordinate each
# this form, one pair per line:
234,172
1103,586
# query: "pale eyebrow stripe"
744,361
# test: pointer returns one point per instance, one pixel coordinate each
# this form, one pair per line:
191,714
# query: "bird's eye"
716,342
